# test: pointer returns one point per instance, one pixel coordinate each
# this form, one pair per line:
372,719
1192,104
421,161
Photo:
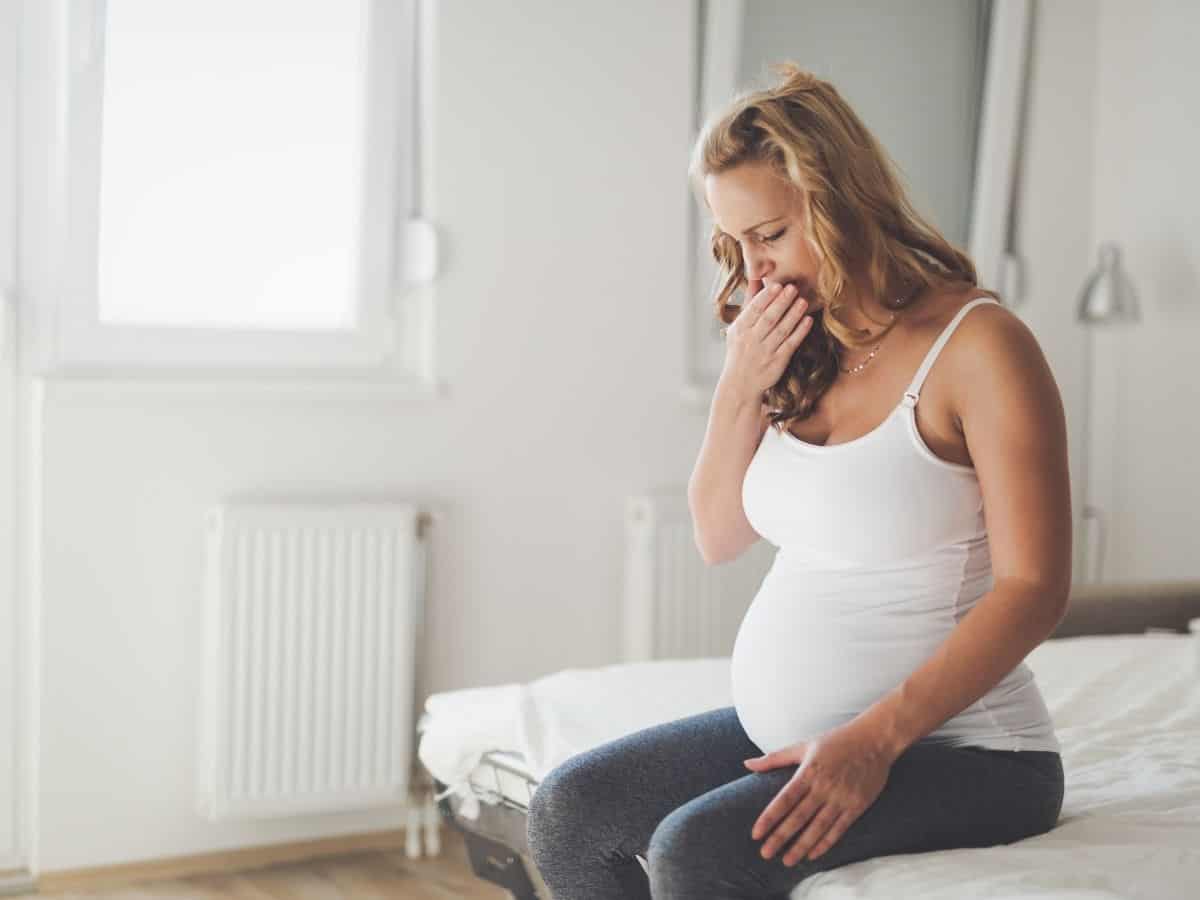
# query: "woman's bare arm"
736,424
1013,419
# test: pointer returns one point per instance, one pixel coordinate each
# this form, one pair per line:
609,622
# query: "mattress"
1126,709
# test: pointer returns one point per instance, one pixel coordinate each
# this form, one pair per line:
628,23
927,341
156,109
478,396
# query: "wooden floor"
374,875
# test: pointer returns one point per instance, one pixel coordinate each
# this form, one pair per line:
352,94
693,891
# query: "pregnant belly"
807,661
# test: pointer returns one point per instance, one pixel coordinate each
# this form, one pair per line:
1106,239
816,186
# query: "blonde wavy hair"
859,220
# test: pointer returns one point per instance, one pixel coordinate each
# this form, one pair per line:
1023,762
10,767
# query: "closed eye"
774,237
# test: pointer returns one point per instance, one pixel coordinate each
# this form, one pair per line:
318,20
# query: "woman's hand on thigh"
840,774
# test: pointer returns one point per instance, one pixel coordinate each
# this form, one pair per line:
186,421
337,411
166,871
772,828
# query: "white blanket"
1126,709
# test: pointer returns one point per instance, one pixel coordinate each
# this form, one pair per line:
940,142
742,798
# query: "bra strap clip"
910,399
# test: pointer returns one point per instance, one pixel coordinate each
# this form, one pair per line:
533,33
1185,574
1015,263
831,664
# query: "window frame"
62,77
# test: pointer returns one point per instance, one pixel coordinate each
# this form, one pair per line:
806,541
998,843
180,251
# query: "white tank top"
882,549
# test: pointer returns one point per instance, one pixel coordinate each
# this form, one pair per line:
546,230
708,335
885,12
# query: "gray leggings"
678,796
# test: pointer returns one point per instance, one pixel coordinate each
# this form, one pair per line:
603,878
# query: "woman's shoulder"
990,334
935,310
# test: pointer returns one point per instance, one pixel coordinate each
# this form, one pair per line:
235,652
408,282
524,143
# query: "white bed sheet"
1126,709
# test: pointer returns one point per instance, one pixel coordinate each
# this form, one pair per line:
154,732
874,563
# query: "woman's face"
765,214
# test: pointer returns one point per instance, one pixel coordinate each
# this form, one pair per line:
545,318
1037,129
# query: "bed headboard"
1130,607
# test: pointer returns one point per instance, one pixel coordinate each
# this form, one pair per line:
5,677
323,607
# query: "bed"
1120,675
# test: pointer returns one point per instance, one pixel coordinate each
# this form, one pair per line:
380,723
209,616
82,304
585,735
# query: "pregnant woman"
896,432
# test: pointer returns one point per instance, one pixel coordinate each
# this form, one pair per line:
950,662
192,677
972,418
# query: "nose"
758,265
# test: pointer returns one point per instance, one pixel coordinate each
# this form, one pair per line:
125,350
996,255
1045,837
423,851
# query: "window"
234,182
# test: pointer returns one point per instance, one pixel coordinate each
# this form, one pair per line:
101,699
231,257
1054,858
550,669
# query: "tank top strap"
914,389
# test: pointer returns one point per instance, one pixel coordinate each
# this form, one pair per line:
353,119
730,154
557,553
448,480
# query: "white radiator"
676,605
312,613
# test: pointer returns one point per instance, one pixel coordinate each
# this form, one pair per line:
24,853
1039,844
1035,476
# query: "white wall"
561,141
11,834
562,133
1147,198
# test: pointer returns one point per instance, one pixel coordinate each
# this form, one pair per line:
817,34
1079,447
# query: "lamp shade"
1108,295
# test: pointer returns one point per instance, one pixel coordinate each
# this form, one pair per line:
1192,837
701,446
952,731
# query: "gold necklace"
870,356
